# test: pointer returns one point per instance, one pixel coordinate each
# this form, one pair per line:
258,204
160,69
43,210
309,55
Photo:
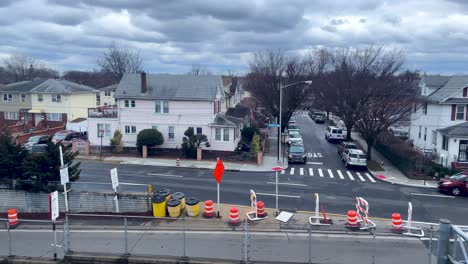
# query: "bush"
150,138
191,142
247,133
255,146
116,142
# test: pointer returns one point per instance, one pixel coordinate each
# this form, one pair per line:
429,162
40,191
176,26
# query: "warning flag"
219,171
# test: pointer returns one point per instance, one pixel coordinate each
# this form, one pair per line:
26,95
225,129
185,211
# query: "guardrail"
452,244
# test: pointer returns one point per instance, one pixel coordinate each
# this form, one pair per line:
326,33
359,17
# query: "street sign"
114,178
54,205
277,168
64,179
273,125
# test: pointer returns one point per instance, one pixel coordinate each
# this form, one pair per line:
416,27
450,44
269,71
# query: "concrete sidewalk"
269,160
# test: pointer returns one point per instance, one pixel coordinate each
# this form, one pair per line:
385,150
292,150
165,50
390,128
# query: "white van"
334,133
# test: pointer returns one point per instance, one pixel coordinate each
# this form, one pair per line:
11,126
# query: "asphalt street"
280,247
324,174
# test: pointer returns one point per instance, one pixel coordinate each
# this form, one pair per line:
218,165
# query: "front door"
463,152
37,119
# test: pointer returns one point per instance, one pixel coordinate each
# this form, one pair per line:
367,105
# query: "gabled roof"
48,86
456,101
460,130
454,84
170,87
435,81
110,87
228,121
239,111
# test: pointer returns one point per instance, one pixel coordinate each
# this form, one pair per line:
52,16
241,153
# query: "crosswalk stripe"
330,173
301,171
350,175
370,177
339,174
320,172
360,177
311,172
282,172
292,171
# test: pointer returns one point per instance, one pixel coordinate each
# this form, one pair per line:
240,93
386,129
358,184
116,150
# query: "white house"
440,125
106,96
169,103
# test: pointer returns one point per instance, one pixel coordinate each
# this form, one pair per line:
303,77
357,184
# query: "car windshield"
34,139
296,149
293,127
351,146
458,176
294,135
357,156
59,136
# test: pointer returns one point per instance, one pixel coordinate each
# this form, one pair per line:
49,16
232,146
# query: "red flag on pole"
219,171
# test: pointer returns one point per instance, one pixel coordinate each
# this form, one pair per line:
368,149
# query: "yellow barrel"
159,206
164,192
193,207
181,197
173,206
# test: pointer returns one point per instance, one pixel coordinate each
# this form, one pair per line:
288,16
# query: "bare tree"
120,60
198,69
21,67
96,79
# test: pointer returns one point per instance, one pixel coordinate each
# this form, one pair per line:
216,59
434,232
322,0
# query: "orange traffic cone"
352,219
234,216
397,223
209,210
13,218
261,209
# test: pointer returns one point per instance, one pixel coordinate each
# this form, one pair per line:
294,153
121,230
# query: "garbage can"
193,206
164,192
159,206
181,197
173,206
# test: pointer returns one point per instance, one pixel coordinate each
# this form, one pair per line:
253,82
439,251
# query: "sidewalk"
269,160
391,173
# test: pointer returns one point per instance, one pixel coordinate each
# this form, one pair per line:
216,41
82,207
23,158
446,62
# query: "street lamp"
280,111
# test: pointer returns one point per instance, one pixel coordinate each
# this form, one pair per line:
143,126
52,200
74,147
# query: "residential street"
324,174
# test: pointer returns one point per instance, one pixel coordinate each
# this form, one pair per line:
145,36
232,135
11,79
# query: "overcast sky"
173,35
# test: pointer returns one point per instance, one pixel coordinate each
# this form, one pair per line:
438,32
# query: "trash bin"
159,206
173,206
193,206
164,192
181,197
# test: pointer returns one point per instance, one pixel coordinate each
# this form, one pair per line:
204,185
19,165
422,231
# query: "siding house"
169,103
106,96
440,125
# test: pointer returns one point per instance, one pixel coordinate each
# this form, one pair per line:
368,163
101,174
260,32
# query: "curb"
400,183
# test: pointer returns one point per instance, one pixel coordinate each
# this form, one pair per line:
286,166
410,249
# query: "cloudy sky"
173,35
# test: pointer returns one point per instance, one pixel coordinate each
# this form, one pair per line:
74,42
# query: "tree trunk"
348,134
370,143
328,115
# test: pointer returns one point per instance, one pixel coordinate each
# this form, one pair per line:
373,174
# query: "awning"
36,111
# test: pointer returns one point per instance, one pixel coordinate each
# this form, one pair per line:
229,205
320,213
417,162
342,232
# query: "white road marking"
320,172
319,155
282,195
282,172
301,171
432,195
165,175
370,177
311,172
350,175
360,177
330,173
315,163
286,183
291,171
339,174
315,155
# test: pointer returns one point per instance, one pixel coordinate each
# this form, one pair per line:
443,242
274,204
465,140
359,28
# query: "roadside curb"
373,173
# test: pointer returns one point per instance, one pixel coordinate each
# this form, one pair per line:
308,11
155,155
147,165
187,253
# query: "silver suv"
354,157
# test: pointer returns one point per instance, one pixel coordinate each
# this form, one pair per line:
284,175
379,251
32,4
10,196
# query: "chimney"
143,82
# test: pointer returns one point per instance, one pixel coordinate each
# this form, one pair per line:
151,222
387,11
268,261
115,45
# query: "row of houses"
210,104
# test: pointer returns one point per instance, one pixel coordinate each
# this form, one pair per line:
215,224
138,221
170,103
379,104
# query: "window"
225,134
236,133
171,133
460,112
425,133
98,99
425,109
11,115
103,128
420,129
445,142
23,98
107,93
434,138
154,127
40,98
218,134
161,106
56,98
7,98
130,103
130,129
199,130
54,117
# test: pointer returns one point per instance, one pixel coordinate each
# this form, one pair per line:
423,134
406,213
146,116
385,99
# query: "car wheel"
456,191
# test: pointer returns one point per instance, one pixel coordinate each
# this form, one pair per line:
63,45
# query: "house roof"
110,87
454,84
460,130
229,121
239,111
170,87
78,120
456,101
48,86
435,81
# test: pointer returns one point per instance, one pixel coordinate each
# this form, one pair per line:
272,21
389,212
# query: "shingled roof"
455,83
460,130
52,86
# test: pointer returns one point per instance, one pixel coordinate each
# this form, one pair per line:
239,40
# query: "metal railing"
460,241
452,243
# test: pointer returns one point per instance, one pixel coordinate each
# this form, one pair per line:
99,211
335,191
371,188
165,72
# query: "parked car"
65,136
296,153
334,133
37,149
346,145
293,128
292,122
295,138
320,118
456,184
41,139
354,157
398,132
